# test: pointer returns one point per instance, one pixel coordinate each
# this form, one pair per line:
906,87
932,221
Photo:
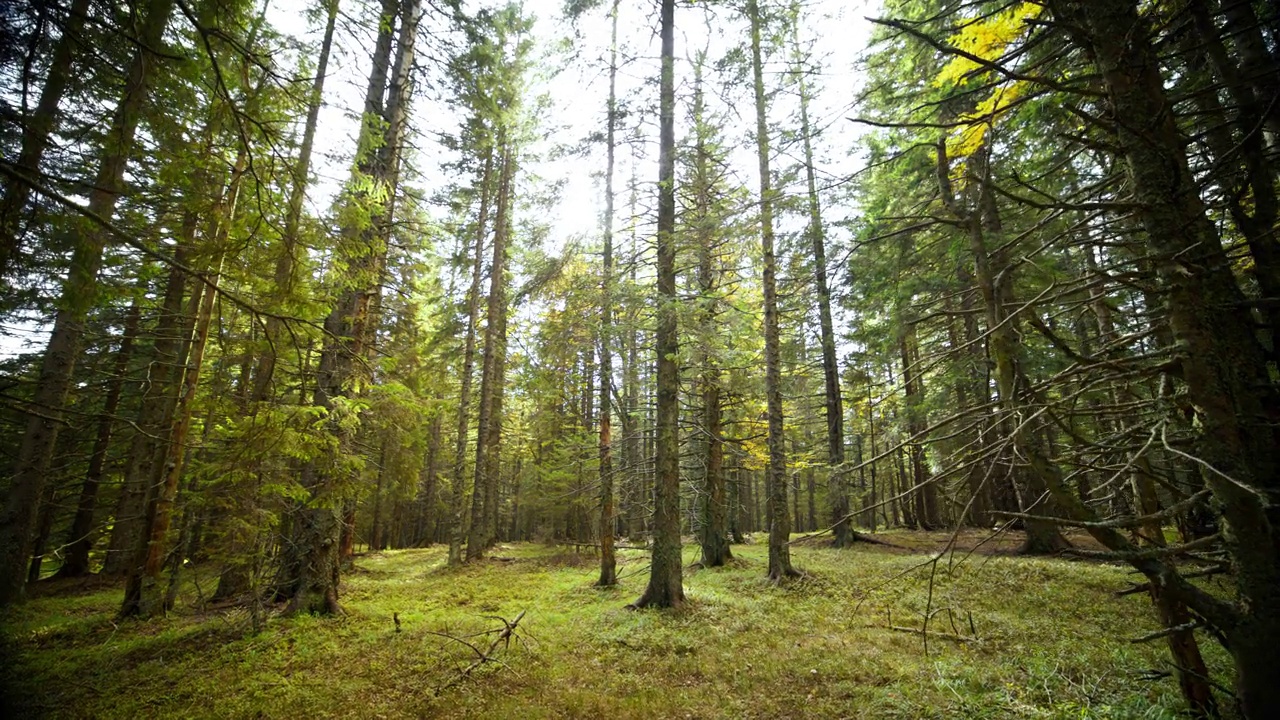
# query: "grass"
1053,643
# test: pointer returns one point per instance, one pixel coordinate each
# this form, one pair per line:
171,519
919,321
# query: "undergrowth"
1029,638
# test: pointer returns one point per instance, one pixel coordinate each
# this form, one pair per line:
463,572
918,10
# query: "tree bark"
776,475
666,588
608,561
489,427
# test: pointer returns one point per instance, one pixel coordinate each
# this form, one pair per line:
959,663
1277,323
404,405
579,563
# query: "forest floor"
1046,638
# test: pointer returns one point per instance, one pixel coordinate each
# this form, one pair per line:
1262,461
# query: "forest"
640,358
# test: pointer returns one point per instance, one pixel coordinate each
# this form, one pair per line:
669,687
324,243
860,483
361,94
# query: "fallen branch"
854,536
925,633
933,633
1119,522
503,638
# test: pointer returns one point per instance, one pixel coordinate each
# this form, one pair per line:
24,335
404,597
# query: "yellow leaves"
987,39
970,136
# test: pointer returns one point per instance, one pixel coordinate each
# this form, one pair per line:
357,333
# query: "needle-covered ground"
1051,642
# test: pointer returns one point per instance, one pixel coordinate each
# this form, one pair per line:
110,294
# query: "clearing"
1051,641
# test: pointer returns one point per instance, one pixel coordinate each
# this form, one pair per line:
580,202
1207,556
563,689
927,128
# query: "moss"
1054,643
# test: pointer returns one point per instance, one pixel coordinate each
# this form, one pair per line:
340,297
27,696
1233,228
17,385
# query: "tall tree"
311,573
503,49
287,261
1223,364
776,474
489,423
837,485
704,221
666,585
40,437
466,372
608,515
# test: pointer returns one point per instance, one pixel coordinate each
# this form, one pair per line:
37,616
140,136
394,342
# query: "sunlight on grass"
1053,643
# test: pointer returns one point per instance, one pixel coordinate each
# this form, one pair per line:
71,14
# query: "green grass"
1053,644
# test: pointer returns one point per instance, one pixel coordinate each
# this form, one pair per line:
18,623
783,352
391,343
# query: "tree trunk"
925,494
488,427
493,473
776,475
468,369
608,561
1222,363
423,534
837,480
142,586
35,456
81,538
995,280
44,528
377,539
311,576
286,263
142,592
710,508
666,586
162,373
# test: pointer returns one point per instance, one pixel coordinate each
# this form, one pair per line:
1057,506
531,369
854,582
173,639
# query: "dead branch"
1167,632
932,633
1150,554
502,638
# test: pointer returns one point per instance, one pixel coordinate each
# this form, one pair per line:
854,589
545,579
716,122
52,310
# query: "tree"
41,434
776,475
311,573
666,588
707,220
608,519
1223,365
287,262
36,132
499,86
837,491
